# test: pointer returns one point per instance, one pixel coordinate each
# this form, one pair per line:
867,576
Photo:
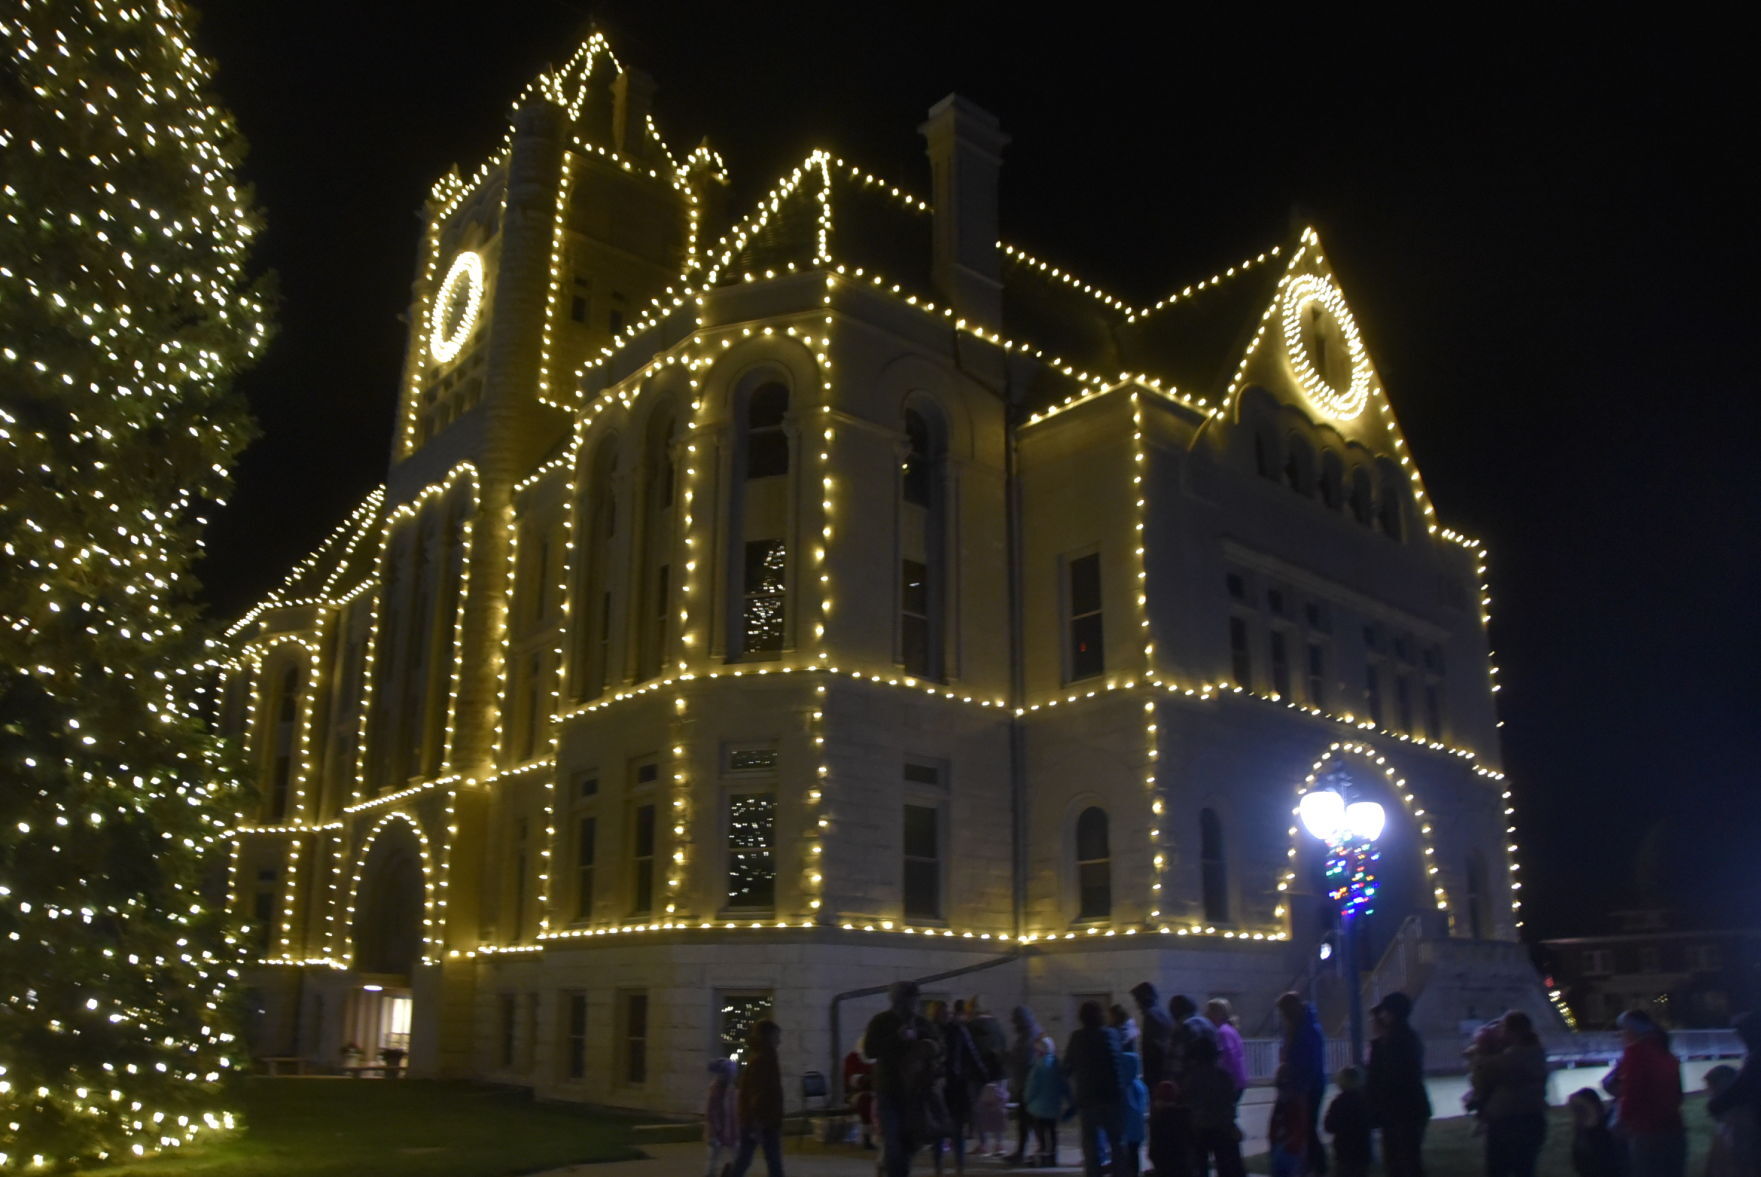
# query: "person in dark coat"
1510,1088
1095,1069
889,1040
963,1073
1155,1034
1745,1089
761,1103
1395,1087
1210,1092
1189,1027
1348,1123
1170,1132
1302,1065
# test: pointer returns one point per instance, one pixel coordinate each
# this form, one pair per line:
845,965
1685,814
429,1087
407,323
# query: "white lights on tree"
1311,302
456,307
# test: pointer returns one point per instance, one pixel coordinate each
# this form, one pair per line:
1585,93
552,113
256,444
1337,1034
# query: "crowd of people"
1167,1080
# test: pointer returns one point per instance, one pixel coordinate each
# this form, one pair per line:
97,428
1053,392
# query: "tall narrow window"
519,908
635,1037
1280,663
1317,674
1213,867
1240,654
764,605
1403,701
923,863
1083,592
1476,896
1373,690
1388,513
914,617
650,572
767,444
739,1014
575,1046
919,474
1094,866
596,527
1433,711
286,729
586,857
752,871
507,1018
1362,507
642,860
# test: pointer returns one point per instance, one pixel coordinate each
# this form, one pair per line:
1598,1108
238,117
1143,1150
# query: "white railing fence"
1443,1055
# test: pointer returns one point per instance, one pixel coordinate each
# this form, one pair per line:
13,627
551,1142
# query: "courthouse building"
764,604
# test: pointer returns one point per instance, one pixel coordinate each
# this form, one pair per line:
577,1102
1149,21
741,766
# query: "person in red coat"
1647,1087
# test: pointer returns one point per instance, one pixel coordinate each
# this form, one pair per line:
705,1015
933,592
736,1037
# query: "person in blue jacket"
1302,1062
1126,1162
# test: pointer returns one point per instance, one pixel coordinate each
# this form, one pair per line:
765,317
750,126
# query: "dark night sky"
1540,231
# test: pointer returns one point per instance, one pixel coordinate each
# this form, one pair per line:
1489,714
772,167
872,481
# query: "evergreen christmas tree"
125,309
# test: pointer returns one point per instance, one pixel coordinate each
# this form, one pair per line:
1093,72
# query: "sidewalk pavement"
808,1159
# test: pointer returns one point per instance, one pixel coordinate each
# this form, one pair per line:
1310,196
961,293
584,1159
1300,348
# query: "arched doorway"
387,935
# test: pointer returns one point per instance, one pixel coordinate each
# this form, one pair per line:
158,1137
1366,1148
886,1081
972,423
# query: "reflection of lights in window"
455,308
765,561
751,861
738,1016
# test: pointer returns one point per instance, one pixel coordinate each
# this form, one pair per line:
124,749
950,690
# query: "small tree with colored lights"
125,310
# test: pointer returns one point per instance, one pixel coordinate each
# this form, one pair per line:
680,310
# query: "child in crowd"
1170,1132
1594,1150
721,1119
1348,1122
990,1116
1137,1099
1288,1132
1734,1143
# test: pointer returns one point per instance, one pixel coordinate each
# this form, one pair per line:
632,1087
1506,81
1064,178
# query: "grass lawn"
376,1128
1452,1149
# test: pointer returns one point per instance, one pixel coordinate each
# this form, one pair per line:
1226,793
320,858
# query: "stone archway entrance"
387,937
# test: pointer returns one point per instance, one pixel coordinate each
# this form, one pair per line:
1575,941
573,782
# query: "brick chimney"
965,151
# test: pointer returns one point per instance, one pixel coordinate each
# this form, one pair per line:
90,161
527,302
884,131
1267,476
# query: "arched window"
1094,866
284,737
1265,453
1388,512
1476,896
1332,480
1213,867
1298,465
1361,505
767,445
922,543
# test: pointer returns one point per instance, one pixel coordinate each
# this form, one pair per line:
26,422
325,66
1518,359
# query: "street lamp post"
1349,831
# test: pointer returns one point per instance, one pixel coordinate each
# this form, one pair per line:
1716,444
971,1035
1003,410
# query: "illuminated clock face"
1326,352
456,306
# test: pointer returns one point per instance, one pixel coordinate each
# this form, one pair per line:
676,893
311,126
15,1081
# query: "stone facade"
760,610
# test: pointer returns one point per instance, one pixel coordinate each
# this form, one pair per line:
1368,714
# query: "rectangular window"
635,1013
752,872
1316,613
603,669
662,596
1433,711
1275,601
922,774
752,760
506,1015
586,852
586,786
1317,674
578,308
914,617
519,912
1403,702
575,1036
642,860
923,866
1240,656
762,608
614,321
1373,690
533,705
1087,658
736,1015
1236,585
1280,663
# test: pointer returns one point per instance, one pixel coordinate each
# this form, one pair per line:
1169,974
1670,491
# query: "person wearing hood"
721,1113
1395,1086
1302,1061
889,1041
1128,1161
1647,1087
1155,1034
1189,1027
1030,1046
